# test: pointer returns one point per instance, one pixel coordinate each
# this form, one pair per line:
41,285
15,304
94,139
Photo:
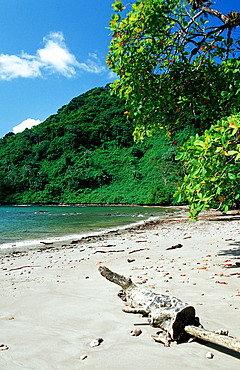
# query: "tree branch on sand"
174,317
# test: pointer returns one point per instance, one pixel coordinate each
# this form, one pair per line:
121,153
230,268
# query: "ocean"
31,226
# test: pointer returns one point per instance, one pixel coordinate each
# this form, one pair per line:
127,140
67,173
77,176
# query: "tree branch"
228,19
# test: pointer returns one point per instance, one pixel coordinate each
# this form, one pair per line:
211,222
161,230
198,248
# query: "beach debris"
110,251
162,337
222,332
138,250
23,267
96,342
3,347
134,310
136,332
170,314
209,355
108,245
130,260
83,357
174,247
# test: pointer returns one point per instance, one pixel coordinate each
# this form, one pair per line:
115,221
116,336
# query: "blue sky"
52,51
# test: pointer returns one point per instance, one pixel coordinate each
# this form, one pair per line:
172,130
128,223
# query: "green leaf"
199,143
225,208
231,176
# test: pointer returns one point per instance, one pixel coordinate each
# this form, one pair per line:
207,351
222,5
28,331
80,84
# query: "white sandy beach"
54,302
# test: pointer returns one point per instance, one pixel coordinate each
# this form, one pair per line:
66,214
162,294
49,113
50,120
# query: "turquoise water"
30,225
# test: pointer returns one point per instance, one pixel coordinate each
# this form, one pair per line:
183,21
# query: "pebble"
3,347
209,355
96,342
136,332
130,260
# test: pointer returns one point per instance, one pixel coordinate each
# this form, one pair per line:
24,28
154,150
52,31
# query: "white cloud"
27,123
54,57
12,66
94,56
112,75
92,65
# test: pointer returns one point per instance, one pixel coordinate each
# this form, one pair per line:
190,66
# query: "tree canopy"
85,154
178,65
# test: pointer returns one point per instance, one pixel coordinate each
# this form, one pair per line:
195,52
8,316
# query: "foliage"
168,59
212,165
177,65
85,154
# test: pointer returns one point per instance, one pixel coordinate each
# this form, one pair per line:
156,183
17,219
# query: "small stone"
136,332
209,355
3,347
96,342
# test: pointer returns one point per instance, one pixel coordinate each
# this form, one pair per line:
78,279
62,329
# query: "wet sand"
54,302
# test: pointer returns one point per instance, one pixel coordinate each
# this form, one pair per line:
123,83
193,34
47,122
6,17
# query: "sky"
50,52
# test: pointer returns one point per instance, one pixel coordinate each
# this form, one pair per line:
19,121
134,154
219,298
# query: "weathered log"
168,313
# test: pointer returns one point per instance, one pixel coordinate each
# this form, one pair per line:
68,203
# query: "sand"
54,302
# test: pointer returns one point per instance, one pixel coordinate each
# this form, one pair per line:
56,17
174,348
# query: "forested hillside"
86,154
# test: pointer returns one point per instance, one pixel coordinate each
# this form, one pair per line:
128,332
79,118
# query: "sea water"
29,226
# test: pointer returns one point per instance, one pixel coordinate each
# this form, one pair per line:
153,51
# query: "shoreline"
31,244
92,205
55,302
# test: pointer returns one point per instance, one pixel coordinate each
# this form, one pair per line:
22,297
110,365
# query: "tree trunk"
168,313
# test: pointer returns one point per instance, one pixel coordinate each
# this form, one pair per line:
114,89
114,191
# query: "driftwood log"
170,314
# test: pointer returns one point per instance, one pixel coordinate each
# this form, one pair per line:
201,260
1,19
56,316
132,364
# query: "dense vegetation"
177,63
86,154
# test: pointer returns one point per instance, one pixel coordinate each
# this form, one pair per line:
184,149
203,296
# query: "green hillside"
85,154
